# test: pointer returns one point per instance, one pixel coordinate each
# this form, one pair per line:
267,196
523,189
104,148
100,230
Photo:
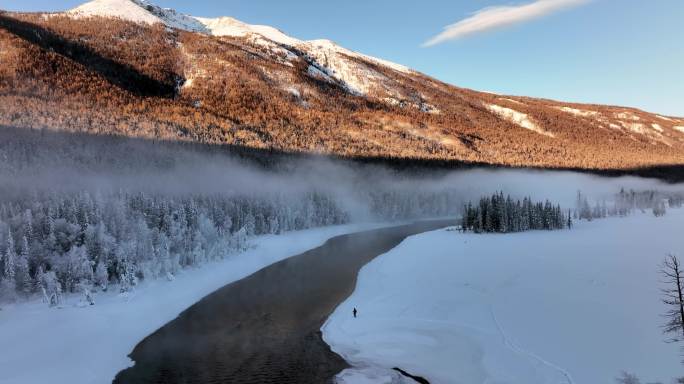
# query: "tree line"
626,202
63,242
500,214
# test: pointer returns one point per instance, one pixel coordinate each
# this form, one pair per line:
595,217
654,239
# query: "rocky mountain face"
129,67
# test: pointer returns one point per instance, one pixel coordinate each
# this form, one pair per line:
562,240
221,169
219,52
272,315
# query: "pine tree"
167,269
8,282
102,275
126,273
28,225
10,259
24,281
250,225
51,288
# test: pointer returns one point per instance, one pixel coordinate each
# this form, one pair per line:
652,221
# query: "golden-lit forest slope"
128,67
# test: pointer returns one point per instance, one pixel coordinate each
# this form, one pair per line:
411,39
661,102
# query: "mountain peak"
333,60
229,26
123,9
138,11
143,11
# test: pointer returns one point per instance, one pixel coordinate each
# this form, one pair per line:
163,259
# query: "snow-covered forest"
503,214
626,202
77,242
81,214
74,242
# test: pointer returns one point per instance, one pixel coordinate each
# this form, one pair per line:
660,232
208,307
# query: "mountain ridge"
241,84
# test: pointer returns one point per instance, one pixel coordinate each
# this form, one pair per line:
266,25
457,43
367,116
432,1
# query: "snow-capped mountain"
139,11
329,60
130,67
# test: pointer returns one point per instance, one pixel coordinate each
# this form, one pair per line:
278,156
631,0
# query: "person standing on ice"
354,312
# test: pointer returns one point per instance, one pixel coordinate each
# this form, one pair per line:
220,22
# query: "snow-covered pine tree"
10,258
8,283
126,272
250,226
101,278
28,225
24,281
659,209
51,288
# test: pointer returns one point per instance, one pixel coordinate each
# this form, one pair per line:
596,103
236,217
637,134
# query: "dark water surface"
265,328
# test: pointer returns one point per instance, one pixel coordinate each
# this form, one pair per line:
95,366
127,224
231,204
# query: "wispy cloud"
500,16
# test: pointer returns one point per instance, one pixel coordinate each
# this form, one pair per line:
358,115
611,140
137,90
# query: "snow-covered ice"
575,306
86,345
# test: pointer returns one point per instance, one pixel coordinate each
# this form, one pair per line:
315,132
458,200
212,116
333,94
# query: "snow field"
574,306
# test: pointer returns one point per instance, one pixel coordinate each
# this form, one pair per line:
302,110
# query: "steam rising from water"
72,163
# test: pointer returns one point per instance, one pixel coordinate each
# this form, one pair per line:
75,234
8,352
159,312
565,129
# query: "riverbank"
86,345
576,306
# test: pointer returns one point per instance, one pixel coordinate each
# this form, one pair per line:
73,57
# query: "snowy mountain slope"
355,71
321,49
337,62
228,26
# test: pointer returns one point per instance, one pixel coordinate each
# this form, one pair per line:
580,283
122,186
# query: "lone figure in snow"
354,312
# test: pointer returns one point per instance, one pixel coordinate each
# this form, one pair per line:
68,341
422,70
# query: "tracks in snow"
517,349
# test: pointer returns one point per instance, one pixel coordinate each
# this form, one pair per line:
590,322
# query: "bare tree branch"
673,297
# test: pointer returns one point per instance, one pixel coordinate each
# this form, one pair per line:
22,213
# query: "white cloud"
500,16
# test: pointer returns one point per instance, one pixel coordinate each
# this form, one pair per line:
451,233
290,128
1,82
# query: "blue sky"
620,52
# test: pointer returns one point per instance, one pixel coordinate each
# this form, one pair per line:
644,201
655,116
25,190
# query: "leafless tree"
673,297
